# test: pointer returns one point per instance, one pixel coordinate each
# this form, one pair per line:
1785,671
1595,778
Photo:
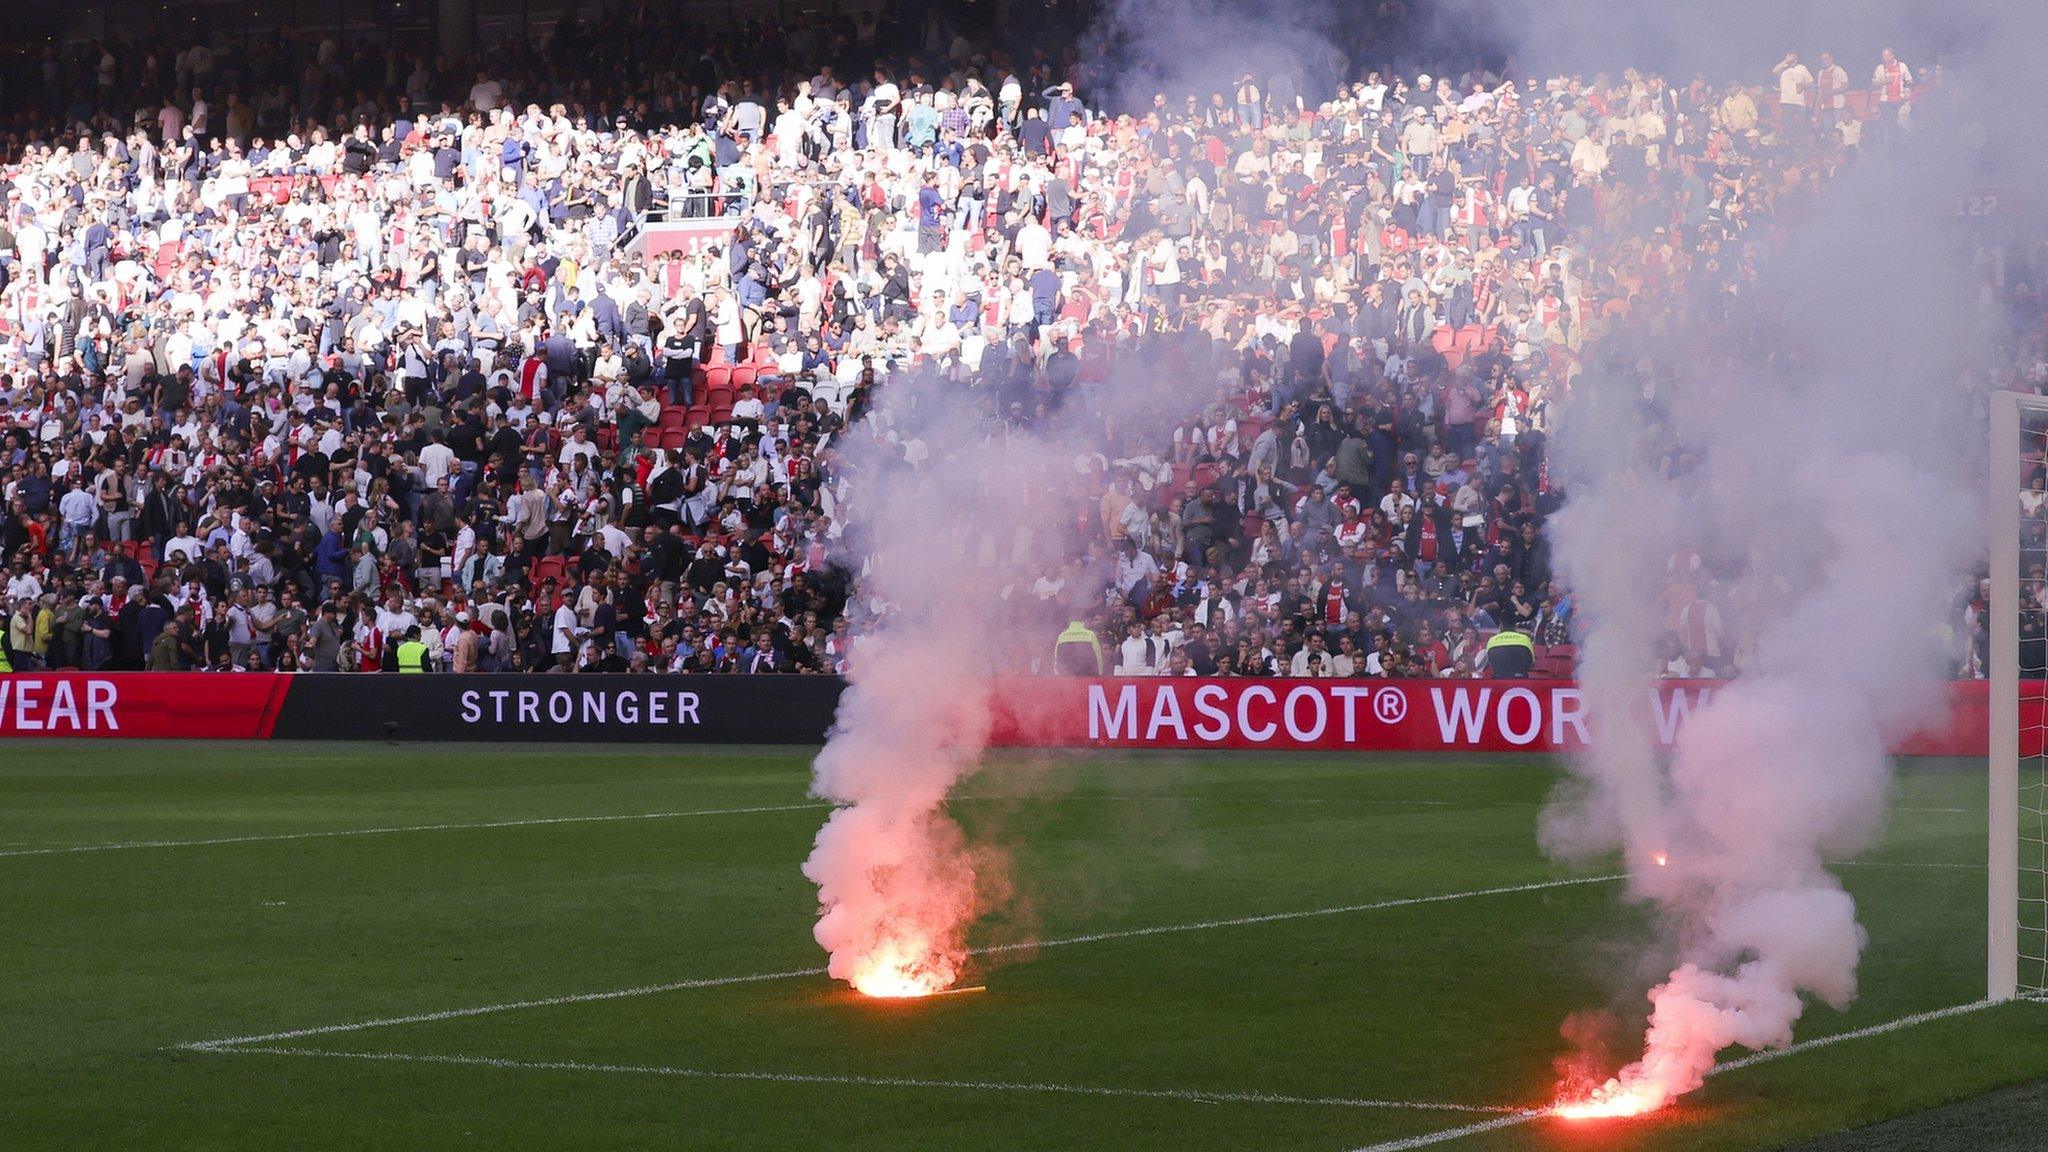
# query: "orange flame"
1612,1100
898,972
1660,858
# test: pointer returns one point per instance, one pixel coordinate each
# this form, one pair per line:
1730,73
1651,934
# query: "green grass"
114,958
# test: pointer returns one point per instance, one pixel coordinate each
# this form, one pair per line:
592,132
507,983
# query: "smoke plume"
1809,445
965,531
950,518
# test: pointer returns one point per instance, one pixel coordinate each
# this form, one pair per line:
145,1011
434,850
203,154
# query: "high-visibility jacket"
1070,656
6,661
412,656
1510,654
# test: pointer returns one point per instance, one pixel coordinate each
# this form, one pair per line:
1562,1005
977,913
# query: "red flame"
1612,1100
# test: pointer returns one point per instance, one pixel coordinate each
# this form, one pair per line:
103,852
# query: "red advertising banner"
187,705
1378,715
1042,712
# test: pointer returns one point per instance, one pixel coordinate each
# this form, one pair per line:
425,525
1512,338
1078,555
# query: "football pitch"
229,946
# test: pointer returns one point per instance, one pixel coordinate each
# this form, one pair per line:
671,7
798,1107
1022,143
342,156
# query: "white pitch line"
395,829
1275,917
69,849
1770,1054
719,981
488,1009
1754,1058
1459,1133
1136,798
1190,1095
1903,864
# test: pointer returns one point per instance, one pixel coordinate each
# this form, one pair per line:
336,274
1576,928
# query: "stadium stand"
303,366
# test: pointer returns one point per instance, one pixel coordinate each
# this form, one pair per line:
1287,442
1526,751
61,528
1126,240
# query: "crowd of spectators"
310,349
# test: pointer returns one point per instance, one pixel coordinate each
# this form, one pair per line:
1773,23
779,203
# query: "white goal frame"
2004,520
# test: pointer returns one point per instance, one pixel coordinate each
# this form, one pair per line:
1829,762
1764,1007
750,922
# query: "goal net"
2017,666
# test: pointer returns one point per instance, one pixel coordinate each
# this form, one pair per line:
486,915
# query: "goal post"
2017,942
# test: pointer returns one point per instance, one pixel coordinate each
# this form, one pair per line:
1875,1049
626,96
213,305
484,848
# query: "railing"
688,206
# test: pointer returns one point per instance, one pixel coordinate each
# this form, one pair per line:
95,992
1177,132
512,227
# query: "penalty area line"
1189,1095
1764,1057
237,1042
336,833
796,973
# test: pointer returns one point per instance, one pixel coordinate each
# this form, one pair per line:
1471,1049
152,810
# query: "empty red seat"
674,416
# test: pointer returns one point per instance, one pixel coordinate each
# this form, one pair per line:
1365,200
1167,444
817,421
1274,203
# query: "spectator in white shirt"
1141,653
436,459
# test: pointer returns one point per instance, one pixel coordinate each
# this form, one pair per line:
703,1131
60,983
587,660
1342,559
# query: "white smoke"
1816,451
950,518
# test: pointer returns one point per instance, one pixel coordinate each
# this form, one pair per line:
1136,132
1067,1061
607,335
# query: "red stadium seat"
1249,428
1471,338
672,438
1443,339
721,413
546,570
717,376
744,375
674,416
608,438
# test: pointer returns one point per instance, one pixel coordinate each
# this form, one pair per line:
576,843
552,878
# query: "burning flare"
1612,1100
897,892
897,971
